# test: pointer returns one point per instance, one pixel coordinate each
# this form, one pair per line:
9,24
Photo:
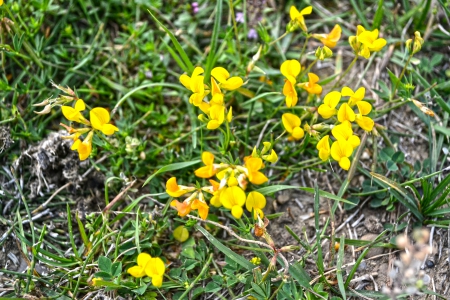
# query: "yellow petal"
273,157
290,69
377,45
364,107
207,158
109,129
293,13
70,113
136,271
75,145
290,93
326,112
255,200
84,150
230,114
155,267
197,71
157,281
346,91
221,74
79,105
306,11
143,259
346,113
298,133
232,83
99,117
354,141
237,211
232,196
254,164
365,123
290,121
186,81
205,172
257,178
332,99
344,163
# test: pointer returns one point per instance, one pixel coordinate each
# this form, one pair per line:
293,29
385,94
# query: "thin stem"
235,30
401,76
304,47
203,271
345,72
279,38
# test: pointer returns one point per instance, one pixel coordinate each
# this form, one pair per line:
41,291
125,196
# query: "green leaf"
443,130
340,260
172,167
378,15
392,166
104,264
225,250
275,188
398,157
299,274
326,195
212,287
116,268
178,47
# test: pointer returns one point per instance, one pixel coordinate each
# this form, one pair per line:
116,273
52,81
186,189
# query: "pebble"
429,263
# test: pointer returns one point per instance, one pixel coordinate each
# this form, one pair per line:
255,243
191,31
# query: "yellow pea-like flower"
202,208
340,152
290,93
84,148
346,113
183,208
175,190
344,132
187,81
355,97
255,202
364,122
226,82
291,69
209,169
233,198
297,18
253,165
328,108
100,120
324,148
366,41
216,116
292,124
330,40
312,86
74,113
272,157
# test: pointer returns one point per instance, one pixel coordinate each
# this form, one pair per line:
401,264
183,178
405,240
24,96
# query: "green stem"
198,277
345,72
235,29
279,38
304,47
400,77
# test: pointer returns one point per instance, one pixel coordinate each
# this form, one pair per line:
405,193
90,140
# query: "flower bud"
47,109
45,102
323,52
292,26
203,118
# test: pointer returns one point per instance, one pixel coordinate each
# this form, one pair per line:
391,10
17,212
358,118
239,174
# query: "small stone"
284,197
429,263
362,266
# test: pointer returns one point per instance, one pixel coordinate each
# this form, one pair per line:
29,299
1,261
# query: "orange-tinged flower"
183,208
297,17
292,124
341,151
324,148
84,148
202,208
328,108
311,86
74,113
331,39
255,202
253,165
223,76
99,120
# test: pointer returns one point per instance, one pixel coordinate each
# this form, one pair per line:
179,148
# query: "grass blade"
214,38
172,167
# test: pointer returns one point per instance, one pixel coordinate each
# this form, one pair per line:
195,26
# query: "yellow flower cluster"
99,119
345,141
365,42
153,267
291,69
229,192
215,109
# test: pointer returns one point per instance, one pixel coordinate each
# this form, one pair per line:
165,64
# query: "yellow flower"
216,116
222,76
1,2
346,113
297,17
331,39
344,132
217,95
175,190
233,198
74,113
290,69
99,120
255,202
324,148
255,260
272,157
364,108
195,85
340,152
311,86
209,169
84,148
290,93
292,125
153,267
366,41
328,108
417,45
323,52
253,165
266,147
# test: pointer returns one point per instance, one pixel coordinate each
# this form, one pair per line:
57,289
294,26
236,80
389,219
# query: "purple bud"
252,34
240,17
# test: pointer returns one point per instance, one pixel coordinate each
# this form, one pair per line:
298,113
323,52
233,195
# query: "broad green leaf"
104,264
